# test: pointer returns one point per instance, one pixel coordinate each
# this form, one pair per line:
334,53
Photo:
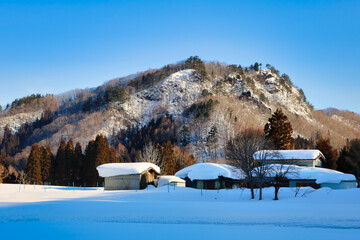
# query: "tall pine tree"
330,154
60,164
278,131
69,162
46,160
33,166
77,164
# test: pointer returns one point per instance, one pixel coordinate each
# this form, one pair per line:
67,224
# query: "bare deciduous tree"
150,153
280,173
22,177
263,169
239,152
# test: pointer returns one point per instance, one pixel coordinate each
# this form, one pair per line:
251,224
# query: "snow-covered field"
183,213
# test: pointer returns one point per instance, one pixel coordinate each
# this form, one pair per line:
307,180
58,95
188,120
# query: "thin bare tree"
150,153
22,177
239,152
263,171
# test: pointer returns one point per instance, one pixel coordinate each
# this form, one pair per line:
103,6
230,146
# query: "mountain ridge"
237,98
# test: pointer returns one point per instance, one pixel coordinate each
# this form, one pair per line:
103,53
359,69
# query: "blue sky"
56,46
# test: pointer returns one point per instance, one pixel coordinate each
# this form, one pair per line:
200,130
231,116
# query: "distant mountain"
208,98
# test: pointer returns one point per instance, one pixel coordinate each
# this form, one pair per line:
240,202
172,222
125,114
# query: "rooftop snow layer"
321,175
207,171
167,179
116,169
289,154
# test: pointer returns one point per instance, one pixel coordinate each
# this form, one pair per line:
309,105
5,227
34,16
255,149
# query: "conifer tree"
185,136
60,164
349,159
113,155
89,169
69,162
168,159
278,131
330,154
33,166
78,164
97,152
46,159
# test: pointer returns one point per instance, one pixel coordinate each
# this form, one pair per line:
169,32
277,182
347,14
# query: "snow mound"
321,175
116,169
207,171
289,154
168,179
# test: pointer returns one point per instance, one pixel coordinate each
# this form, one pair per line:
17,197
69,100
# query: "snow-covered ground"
183,213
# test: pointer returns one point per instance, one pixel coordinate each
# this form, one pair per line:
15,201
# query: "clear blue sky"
56,46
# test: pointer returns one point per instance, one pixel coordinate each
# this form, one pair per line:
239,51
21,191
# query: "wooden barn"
128,176
212,176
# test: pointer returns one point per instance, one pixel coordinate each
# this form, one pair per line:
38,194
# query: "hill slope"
206,98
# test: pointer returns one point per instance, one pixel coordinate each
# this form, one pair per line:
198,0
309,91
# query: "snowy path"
94,214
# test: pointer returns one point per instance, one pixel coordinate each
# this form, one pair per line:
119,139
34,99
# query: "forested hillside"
194,105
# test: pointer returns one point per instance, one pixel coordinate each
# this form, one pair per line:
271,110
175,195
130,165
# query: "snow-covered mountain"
241,99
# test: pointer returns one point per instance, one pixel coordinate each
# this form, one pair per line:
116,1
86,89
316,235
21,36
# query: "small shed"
170,180
128,176
305,158
212,176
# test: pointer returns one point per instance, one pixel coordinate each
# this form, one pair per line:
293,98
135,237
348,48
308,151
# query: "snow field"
88,213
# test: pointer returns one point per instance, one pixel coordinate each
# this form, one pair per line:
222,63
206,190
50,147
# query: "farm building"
171,181
211,176
305,158
315,177
128,176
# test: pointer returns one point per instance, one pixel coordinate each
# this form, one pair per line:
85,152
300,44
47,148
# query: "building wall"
341,185
130,182
126,182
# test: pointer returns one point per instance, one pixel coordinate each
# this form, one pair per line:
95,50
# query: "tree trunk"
260,193
252,192
276,192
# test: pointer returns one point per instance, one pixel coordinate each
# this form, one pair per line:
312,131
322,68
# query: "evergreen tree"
185,136
349,159
33,166
78,164
113,155
198,65
323,144
97,152
60,164
212,141
89,169
46,159
278,131
70,162
168,159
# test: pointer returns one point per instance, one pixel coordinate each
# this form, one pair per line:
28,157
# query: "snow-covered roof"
166,179
208,171
288,154
321,175
116,169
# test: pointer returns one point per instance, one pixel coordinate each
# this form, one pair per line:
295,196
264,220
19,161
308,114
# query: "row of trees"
71,165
